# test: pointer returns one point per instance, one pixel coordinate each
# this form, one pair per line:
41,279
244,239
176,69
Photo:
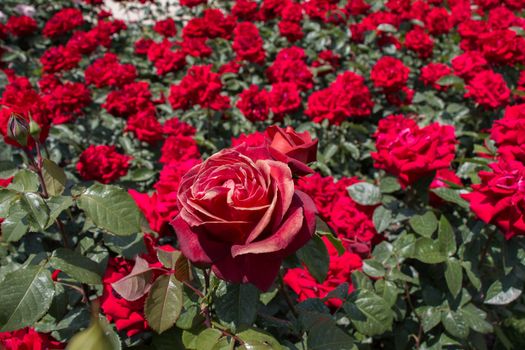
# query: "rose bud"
18,129
240,213
295,149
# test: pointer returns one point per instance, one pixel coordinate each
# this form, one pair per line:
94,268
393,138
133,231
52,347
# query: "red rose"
240,213
21,26
28,339
83,42
62,22
438,21
102,163
179,148
129,100
292,31
165,27
254,104
192,3
108,71
66,101
284,99
252,140
149,206
289,67
248,44
389,74
345,98
59,58
432,72
499,199
502,47
145,126
509,133
419,42
245,9
410,152
468,64
340,271
201,87
142,46
295,149
488,89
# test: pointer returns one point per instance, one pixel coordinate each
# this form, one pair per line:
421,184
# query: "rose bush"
245,174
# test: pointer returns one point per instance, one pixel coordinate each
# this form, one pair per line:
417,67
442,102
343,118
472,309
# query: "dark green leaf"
446,237
75,265
36,208
370,314
258,339
504,291
238,304
99,336
389,184
455,324
373,268
453,276
476,319
315,256
450,195
428,251
54,178
425,224
365,193
430,317
25,181
164,303
56,206
111,208
382,218
14,226
25,296
207,339
325,335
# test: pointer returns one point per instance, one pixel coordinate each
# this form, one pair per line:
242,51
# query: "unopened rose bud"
34,129
18,129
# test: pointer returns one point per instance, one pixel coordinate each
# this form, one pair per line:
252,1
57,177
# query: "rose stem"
283,290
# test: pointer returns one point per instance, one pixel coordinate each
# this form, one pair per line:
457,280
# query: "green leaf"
25,296
476,319
446,237
99,336
7,197
111,208
325,335
451,195
25,181
428,251
472,276
389,184
167,258
54,178
315,256
504,291
373,268
36,208
454,276
75,265
336,242
382,218
430,317
365,193
450,80
7,169
255,339
425,224
238,304
455,324
370,314
14,226
207,339
164,303
56,206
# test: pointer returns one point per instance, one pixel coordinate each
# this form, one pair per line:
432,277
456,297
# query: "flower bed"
263,174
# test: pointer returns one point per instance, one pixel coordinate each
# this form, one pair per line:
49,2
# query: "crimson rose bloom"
59,58
509,133
488,89
21,25
102,163
410,152
295,149
389,74
28,338
247,43
339,271
166,27
254,104
419,42
468,64
62,22
500,197
432,72
241,214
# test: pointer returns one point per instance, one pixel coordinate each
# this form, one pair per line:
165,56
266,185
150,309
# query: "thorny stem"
206,308
287,297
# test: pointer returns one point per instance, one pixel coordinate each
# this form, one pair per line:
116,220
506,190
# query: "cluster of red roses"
271,215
